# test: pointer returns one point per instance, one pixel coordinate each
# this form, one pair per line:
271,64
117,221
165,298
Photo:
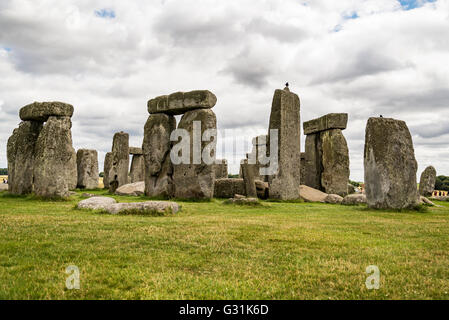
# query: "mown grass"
214,251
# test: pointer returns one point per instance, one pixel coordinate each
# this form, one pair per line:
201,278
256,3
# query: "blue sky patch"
351,15
105,13
413,4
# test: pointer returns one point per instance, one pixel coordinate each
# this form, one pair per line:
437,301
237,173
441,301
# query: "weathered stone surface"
180,102
228,188
335,162
21,157
96,203
221,169
132,189
424,200
157,206
354,199
249,172
87,164
427,181
303,167
135,151
312,195
3,187
106,169
55,159
390,165
196,180
327,122
334,199
262,189
313,162
285,117
41,111
118,175
137,171
243,201
156,149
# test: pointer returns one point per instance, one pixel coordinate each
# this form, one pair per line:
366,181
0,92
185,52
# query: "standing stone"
249,172
303,167
118,175
313,161
55,159
390,165
106,168
21,148
335,161
285,117
156,150
87,164
137,172
221,169
196,180
427,182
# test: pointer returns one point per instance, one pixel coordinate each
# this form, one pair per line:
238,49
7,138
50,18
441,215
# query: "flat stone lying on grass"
88,195
242,200
424,200
132,189
96,203
156,206
309,194
354,199
334,199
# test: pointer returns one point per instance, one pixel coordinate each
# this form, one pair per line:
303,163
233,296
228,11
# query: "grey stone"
285,117
41,111
135,151
427,181
55,166
106,169
180,102
228,188
96,203
354,199
157,206
118,175
243,201
262,188
137,171
21,150
335,162
196,180
133,189
221,169
249,172
87,164
334,199
424,200
313,162
390,165
327,122
303,167
3,187
156,149
309,194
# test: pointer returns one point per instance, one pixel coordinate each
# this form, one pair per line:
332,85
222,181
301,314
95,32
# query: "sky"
108,58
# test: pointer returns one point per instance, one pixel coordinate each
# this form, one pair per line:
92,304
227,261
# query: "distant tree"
3,171
442,183
354,183
101,174
233,176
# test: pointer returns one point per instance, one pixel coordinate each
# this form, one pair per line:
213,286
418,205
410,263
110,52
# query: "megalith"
156,152
249,172
221,169
390,165
118,175
137,171
55,158
181,102
21,150
427,181
196,179
106,169
87,164
285,118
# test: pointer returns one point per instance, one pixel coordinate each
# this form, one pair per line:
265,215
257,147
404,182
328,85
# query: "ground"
211,250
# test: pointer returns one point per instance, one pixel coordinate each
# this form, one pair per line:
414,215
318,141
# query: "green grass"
214,251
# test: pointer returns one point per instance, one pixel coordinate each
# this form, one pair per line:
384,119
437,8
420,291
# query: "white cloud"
386,61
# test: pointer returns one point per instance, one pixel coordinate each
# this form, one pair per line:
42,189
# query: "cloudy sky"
107,58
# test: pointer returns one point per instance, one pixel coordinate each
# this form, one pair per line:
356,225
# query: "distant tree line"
442,183
3,171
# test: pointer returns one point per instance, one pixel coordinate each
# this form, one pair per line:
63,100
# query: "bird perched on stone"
381,116
286,84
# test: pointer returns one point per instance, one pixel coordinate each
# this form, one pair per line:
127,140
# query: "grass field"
215,251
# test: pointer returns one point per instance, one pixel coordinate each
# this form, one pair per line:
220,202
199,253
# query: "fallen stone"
354,199
132,189
312,195
96,203
135,151
424,200
156,149
427,182
87,164
327,122
390,165
243,201
285,117
41,111
181,102
136,207
228,188
334,199
118,175
88,195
